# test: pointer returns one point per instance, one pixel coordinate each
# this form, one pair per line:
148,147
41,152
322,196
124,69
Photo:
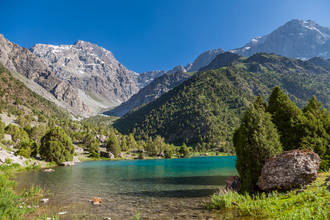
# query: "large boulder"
289,170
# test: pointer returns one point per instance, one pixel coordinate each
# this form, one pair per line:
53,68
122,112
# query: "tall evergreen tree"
317,135
287,117
255,141
113,145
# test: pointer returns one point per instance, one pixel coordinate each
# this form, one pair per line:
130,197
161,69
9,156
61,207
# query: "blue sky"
152,34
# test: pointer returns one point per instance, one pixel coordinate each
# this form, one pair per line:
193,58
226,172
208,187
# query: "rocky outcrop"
21,60
289,170
147,77
295,39
6,157
101,80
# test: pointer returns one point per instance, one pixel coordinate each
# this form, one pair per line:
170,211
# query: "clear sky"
152,34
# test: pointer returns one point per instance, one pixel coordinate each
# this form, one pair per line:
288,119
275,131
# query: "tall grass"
15,205
313,202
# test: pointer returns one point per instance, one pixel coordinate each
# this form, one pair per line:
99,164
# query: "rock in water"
67,163
289,170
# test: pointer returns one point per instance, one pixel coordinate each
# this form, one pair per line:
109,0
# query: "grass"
15,205
309,203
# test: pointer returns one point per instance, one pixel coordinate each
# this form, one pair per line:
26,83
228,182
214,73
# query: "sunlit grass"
309,203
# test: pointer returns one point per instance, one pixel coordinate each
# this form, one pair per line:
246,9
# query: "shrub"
255,141
184,151
18,134
2,129
56,146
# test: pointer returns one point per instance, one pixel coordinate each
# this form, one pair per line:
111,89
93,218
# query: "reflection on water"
158,189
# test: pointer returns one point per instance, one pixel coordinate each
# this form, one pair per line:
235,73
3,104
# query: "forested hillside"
205,110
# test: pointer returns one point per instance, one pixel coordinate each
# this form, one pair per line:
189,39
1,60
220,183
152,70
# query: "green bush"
255,141
2,129
56,146
184,151
18,134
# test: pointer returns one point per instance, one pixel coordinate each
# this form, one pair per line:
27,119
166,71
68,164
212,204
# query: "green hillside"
205,110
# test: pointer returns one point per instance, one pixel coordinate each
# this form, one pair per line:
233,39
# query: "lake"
153,189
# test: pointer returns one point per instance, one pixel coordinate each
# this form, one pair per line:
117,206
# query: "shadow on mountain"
190,180
190,193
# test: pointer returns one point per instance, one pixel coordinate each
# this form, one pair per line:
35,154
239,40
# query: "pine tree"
113,145
317,136
255,141
287,117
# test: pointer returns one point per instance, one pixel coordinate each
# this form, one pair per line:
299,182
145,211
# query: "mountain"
152,91
295,39
147,77
101,80
156,83
203,60
207,107
17,99
21,60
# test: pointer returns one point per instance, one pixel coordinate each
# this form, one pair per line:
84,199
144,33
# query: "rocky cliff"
21,60
101,80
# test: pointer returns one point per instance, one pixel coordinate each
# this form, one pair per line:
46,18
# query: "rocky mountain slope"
101,80
152,91
156,83
203,60
17,99
207,107
295,39
21,60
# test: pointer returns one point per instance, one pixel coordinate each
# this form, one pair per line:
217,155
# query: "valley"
188,142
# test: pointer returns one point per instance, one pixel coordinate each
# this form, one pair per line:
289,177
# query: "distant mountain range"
87,79
206,108
296,39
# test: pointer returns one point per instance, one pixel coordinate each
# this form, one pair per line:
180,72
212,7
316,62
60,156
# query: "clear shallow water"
157,189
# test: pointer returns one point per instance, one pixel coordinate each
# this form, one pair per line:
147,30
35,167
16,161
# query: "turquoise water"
154,188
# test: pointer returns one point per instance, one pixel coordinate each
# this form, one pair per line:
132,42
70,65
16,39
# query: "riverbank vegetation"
265,131
14,205
309,203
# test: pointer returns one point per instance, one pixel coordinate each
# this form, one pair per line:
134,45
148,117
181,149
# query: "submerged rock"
67,163
97,201
289,170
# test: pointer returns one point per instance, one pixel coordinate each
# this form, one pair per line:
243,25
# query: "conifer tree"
255,141
113,145
287,117
317,136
